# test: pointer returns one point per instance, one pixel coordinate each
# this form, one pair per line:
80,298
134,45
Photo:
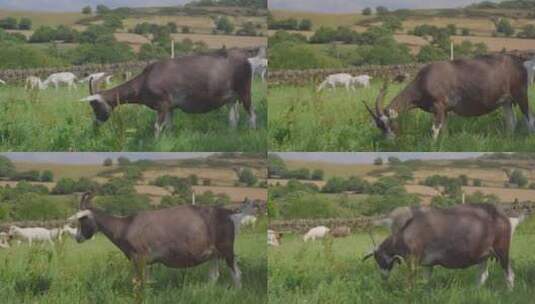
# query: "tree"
47,176
381,10
172,27
123,161
477,182
378,161
452,29
517,177
7,168
505,27
108,162
102,9
25,23
9,23
367,11
465,31
305,25
247,177
87,10
394,161
317,174
224,24
276,166
113,22
186,29
64,186
463,179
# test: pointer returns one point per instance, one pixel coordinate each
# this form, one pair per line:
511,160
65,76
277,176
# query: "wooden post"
193,197
451,50
463,198
172,48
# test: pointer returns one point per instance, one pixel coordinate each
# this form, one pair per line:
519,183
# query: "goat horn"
380,99
368,255
90,85
369,110
399,258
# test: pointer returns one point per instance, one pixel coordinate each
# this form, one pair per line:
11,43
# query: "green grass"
56,121
97,272
302,120
324,272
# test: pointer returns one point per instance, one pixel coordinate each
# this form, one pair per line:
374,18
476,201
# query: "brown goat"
467,87
179,237
456,237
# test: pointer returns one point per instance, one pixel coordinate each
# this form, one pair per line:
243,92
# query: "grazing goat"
333,80
274,238
259,67
56,79
362,80
30,234
194,83
341,231
33,82
467,87
69,230
4,240
456,237
316,233
97,77
182,236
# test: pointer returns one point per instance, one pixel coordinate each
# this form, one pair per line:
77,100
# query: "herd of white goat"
34,234
345,80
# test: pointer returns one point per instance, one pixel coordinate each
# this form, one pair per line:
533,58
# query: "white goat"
362,80
55,233
4,240
248,220
342,79
31,234
316,233
97,77
58,78
68,229
530,68
33,82
273,238
259,67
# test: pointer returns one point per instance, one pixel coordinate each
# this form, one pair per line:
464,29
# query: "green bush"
118,186
517,177
247,177
37,207
47,176
317,174
7,168
382,204
289,55
308,206
64,186
172,200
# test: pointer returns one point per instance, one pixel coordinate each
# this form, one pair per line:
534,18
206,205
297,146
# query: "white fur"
273,238
56,79
248,220
362,80
31,234
97,77
2,82
68,229
333,80
80,214
259,67
96,97
33,82
316,233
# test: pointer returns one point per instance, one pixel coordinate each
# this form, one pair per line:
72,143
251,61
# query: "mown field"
53,120
302,120
333,272
97,272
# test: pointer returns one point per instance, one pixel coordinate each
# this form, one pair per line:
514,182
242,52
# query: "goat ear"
85,202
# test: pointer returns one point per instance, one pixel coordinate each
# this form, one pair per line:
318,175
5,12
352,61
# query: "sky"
76,5
347,6
366,158
94,157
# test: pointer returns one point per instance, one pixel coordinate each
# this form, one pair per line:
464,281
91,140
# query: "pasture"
302,120
332,271
97,272
51,120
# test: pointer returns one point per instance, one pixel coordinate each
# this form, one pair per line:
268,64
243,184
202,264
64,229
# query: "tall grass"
97,272
52,120
302,120
333,272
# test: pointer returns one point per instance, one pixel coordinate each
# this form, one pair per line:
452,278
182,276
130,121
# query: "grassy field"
56,121
319,19
325,272
48,18
97,272
302,120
